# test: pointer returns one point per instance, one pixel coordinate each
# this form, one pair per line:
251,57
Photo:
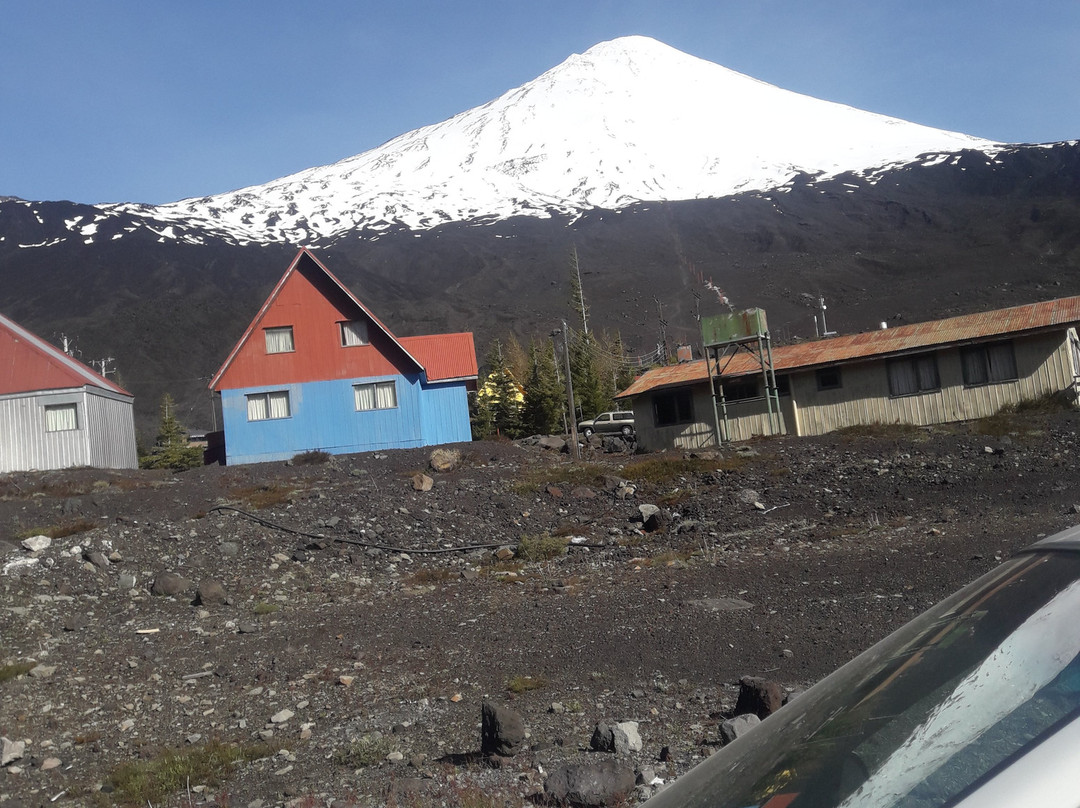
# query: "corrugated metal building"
317,370
948,370
57,413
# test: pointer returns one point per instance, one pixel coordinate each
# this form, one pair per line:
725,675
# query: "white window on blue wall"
268,406
353,332
279,340
375,395
61,417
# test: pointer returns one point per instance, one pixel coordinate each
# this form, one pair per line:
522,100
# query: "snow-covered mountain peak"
629,120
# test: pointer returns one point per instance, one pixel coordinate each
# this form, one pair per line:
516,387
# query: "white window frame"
279,339
61,417
369,396
273,405
353,333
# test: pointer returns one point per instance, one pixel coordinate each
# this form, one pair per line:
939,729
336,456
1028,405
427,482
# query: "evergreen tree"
592,394
481,419
545,398
504,394
171,450
577,293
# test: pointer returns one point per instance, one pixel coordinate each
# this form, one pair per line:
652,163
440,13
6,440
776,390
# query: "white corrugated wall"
105,436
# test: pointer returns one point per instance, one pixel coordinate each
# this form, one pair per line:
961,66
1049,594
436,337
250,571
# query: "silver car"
975,704
608,423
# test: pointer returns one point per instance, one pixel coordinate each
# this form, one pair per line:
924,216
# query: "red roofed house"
957,369
57,413
317,370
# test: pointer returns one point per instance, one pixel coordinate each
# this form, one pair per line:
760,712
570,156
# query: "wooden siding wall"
1042,363
323,416
444,413
313,306
105,437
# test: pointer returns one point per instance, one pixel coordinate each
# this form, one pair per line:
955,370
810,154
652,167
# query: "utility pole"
570,394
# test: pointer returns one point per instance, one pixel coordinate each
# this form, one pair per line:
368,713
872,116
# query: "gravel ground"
339,630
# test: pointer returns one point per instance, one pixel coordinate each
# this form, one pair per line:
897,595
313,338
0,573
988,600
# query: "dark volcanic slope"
917,243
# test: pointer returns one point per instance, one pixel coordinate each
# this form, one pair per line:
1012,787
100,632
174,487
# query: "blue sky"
153,101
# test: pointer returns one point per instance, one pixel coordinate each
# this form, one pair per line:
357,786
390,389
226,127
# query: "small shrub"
523,684
262,607
541,548
314,457
14,670
571,475
878,430
154,780
368,750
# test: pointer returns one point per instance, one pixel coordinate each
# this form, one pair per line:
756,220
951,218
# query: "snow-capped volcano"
629,120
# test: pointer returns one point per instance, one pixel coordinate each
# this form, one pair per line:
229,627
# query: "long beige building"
956,369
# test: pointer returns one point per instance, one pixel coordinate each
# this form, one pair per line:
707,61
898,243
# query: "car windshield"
925,716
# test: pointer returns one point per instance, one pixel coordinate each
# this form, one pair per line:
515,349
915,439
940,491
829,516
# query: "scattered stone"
422,482
210,593
721,604
590,784
167,584
502,730
76,621
42,671
50,763
281,716
758,696
732,728
11,751
98,559
582,492
554,491
444,460
552,443
620,738
35,544
229,549
126,581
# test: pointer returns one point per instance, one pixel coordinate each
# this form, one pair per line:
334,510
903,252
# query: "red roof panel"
444,356
29,363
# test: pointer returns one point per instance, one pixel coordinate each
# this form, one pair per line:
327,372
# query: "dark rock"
169,583
502,730
210,593
758,696
590,784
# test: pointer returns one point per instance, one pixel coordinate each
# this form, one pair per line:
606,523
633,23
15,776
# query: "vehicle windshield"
925,716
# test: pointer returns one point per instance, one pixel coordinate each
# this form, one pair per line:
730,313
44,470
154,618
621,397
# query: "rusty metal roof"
445,357
29,364
885,342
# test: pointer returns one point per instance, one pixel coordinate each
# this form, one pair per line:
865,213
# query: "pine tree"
592,394
503,394
577,293
544,396
171,450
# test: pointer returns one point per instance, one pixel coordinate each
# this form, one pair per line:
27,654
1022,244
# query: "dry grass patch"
523,684
264,496
69,528
664,470
432,575
532,480
155,780
541,548
14,670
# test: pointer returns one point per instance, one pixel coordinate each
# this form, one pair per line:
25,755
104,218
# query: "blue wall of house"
323,416
444,413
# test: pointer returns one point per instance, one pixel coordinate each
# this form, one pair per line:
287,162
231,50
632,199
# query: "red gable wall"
313,305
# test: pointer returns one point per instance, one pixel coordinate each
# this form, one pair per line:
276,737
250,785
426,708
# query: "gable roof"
29,364
443,357
305,255
885,342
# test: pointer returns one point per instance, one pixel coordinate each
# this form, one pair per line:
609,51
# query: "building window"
829,379
375,396
279,340
61,417
913,374
741,390
985,364
268,406
353,332
673,408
